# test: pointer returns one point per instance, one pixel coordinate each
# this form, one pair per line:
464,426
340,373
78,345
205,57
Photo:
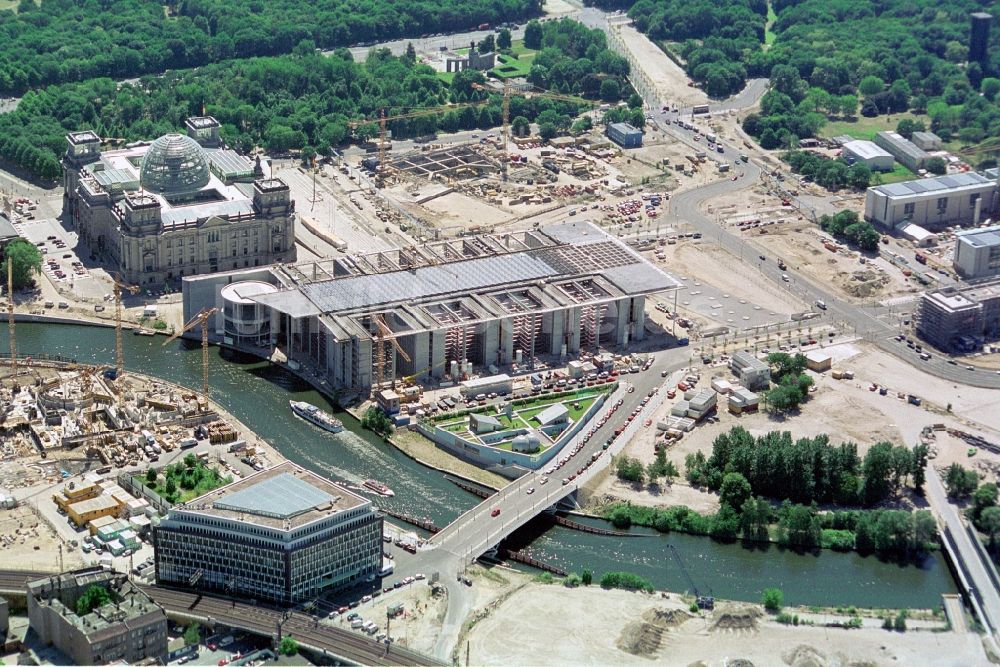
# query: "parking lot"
60,261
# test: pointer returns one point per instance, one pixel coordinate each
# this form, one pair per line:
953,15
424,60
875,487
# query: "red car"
495,512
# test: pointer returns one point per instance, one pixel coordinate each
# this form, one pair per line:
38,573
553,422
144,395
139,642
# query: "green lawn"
189,481
898,173
447,77
865,128
769,36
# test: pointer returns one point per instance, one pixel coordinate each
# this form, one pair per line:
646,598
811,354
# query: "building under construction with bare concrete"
445,310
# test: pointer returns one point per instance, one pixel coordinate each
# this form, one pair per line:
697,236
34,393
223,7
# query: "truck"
920,257
710,138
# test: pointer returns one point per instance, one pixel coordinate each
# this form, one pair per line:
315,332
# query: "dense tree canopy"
74,40
280,103
715,37
803,471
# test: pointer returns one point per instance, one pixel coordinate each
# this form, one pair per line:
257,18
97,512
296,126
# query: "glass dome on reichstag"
174,163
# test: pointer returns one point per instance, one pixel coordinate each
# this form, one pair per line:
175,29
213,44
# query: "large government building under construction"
179,206
435,310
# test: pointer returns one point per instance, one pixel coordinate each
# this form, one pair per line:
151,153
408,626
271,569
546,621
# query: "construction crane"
202,319
383,121
527,93
119,348
10,318
383,332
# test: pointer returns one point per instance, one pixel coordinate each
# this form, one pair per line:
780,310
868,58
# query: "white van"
821,304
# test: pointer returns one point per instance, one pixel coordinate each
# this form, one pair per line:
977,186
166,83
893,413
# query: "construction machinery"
383,131
119,348
10,318
382,333
527,92
202,319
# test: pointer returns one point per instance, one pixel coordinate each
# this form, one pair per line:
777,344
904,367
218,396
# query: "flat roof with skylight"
285,496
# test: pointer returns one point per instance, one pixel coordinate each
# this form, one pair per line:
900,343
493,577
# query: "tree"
611,90
376,420
533,35
799,527
171,488
634,101
151,476
877,471
547,131
411,53
587,577
25,261
521,126
192,634
959,481
735,490
621,518
871,85
629,469
773,599
755,516
908,126
936,165
289,646
190,460
989,523
990,87
982,498
900,623
859,176
487,45
94,597
503,39
920,453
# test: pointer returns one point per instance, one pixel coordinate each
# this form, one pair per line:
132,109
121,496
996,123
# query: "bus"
699,109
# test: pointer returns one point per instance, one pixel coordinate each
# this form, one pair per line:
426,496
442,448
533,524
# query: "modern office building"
179,206
624,135
979,37
901,148
130,628
284,534
869,154
977,252
452,307
932,203
960,319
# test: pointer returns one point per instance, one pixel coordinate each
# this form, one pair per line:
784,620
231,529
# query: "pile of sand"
666,618
804,655
864,283
645,636
640,638
737,618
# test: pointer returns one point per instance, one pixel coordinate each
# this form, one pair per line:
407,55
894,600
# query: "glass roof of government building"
282,496
174,163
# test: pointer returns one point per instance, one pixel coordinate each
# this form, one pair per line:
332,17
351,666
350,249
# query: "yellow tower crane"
202,319
526,93
10,318
382,333
383,131
119,348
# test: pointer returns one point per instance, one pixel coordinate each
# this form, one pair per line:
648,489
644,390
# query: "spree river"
258,392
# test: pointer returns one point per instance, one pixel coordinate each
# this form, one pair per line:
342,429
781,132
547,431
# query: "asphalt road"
476,531
971,560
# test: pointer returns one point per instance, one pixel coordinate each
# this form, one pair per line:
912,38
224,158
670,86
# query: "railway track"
306,629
